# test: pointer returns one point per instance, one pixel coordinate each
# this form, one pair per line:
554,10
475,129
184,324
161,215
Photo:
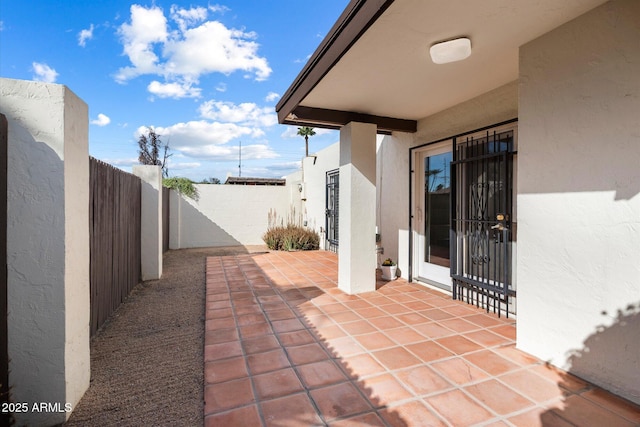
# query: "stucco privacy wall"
47,246
225,215
151,211
579,197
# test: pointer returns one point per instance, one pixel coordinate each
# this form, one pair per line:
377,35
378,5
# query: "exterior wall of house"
579,197
47,246
392,208
225,215
496,106
315,170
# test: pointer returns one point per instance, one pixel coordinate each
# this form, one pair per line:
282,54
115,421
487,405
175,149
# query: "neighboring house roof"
235,180
374,64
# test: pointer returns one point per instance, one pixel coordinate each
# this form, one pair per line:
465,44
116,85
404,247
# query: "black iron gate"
332,209
481,256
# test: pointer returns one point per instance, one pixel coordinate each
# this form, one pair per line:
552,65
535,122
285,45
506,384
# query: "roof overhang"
374,64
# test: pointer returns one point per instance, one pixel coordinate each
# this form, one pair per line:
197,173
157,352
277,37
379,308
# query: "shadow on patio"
285,347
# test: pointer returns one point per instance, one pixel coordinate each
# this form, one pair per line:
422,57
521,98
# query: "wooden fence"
115,221
165,219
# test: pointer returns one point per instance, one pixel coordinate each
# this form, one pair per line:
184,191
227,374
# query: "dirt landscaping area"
147,360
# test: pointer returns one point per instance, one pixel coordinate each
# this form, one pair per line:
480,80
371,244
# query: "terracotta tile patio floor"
285,347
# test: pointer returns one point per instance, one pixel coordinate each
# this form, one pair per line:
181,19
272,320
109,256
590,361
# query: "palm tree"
306,131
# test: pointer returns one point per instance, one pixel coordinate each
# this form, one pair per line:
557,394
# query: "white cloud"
174,90
272,96
85,35
247,113
209,140
147,27
102,120
183,165
44,73
188,17
221,87
126,162
194,48
218,8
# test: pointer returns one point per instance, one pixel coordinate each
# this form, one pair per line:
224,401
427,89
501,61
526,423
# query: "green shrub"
290,237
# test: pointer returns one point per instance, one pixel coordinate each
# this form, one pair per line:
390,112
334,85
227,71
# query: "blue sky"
206,76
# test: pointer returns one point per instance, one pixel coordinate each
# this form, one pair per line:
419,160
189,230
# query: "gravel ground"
147,360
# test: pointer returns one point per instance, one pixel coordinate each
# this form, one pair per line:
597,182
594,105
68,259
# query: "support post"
357,225
151,212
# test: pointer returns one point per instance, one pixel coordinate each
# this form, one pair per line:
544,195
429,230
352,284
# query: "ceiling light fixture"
451,51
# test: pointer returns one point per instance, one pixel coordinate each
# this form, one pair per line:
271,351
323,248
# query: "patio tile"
362,365
370,420
221,335
358,327
246,416
225,370
614,403
307,353
533,386
404,335
383,390
295,338
423,380
458,408
404,355
458,344
290,411
498,397
433,330
228,395
321,374
260,344
269,361
490,362
396,358
582,412
339,400
277,384
222,351
344,347
414,414
429,351
287,325
459,371
539,417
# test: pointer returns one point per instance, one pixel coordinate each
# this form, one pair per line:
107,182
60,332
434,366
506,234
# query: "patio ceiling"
374,65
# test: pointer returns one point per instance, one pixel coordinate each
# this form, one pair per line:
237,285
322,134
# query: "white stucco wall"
579,197
392,209
151,230
315,186
225,215
47,246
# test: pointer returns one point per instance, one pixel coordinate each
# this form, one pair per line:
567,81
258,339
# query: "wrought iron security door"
481,256
332,209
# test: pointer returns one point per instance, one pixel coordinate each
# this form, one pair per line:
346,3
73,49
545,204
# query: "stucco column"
151,212
47,248
357,225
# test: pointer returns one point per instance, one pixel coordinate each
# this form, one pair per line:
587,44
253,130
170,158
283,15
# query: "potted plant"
389,269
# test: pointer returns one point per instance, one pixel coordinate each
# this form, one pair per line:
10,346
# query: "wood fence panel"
115,220
165,219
